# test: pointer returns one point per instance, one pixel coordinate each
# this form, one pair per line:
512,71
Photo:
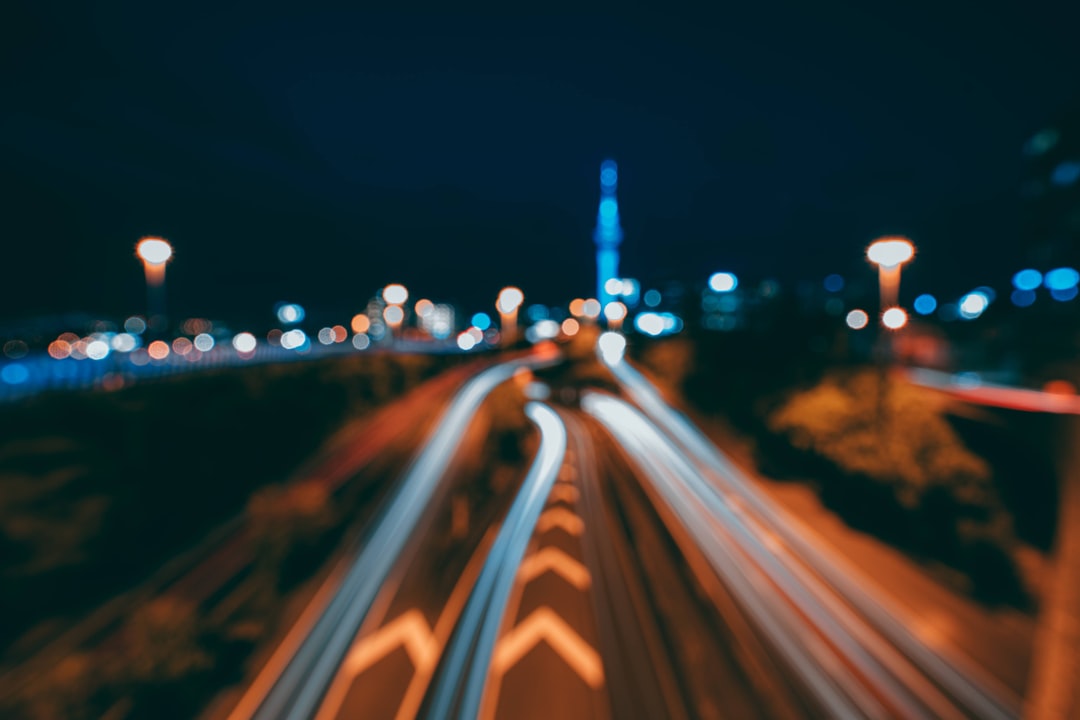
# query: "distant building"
608,234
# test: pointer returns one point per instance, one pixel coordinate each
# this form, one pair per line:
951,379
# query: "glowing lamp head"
611,347
509,300
614,311
395,294
890,252
153,251
894,318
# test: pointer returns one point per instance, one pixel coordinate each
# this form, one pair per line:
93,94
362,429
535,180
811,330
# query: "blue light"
289,313
609,174
1061,279
1027,279
15,374
834,283
1064,294
1022,298
609,209
653,298
988,292
537,313
482,321
723,282
925,304
973,305
1066,173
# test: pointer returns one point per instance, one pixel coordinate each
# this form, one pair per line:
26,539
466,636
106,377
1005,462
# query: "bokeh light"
244,342
154,251
577,307
360,323
834,283
124,342
424,307
614,311
723,282
481,320
890,252
894,318
570,327
361,341
612,345
857,319
395,294
510,298
97,350
1027,279
14,374
925,304
1023,298
158,350
204,342
135,325
393,314
652,298
182,346
590,308
973,305
465,341
1061,278
290,313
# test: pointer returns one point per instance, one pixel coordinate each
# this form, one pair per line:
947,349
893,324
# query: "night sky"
314,155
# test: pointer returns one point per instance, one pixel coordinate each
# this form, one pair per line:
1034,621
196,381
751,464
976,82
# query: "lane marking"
409,630
545,625
562,518
564,493
553,559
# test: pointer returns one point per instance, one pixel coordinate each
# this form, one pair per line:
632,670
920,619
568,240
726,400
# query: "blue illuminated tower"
608,234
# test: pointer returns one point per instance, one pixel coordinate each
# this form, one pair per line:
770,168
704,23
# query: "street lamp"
615,312
154,252
889,253
508,302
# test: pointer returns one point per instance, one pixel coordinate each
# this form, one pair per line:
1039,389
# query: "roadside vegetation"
885,458
101,489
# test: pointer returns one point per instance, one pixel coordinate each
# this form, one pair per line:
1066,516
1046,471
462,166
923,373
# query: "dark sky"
316,154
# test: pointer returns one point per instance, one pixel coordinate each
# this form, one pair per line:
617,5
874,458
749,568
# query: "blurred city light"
59,349
326,336
424,307
294,339
158,350
649,323
1064,294
395,294
570,327
1022,298
577,307
135,325
360,323
834,283
465,341
361,341
723,282
182,346
204,342
890,251
1061,278
988,292
614,311
1066,173
925,304
652,298
393,315
857,319
590,309
14,374
612,345
481,320
290,313
1027,279
613,286
509,300
124,342
244,342
97,350
543,330
973,305
894,318
340,333
154,251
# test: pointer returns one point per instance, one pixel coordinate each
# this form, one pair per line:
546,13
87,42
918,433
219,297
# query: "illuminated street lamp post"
508,302
395,296
615,313
154,253
889,254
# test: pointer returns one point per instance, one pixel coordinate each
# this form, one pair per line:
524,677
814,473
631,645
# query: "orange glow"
1059,387
181,346
570,327
577,307
360,323
158,350
510,299
395,294
154,251
59,349
340,333
69,337
424,307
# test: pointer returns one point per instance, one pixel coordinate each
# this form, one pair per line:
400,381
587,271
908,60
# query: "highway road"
630,570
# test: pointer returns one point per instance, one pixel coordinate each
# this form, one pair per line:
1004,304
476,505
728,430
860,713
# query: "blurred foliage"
891,464
910,445
142,472
288,525
670,360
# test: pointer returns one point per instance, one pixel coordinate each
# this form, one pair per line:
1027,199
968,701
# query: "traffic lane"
394,654
545,663
641,678
721,667
992,394
963,682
